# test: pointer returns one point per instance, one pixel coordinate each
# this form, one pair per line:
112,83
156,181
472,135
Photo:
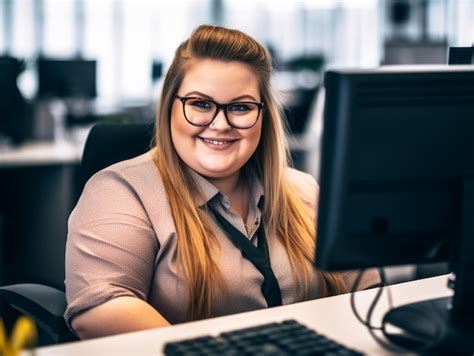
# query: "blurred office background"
67,64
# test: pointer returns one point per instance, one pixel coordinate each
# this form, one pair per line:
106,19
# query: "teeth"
214,142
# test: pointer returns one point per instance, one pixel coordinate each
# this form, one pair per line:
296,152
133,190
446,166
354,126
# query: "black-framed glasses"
202,112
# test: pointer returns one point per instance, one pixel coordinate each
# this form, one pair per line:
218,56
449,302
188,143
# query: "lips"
217,141
217,144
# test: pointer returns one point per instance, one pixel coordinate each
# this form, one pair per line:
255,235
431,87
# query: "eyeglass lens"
239,114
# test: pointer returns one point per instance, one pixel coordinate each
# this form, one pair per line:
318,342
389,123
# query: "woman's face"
217,150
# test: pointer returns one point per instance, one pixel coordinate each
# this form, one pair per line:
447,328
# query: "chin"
217,173
214,169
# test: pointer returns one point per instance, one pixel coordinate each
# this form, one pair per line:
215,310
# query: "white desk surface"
330,316
41,153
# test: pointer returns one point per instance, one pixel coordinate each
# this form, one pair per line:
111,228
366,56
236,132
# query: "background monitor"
397,185
67,78
461,55
13,107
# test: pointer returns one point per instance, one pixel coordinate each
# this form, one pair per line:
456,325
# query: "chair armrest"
45,305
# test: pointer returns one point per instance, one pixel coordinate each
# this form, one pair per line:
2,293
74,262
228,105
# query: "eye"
199,104
240,107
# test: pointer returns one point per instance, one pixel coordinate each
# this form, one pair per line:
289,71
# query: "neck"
229,186
235,190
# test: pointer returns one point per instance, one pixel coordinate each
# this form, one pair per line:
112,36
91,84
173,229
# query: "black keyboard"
286,338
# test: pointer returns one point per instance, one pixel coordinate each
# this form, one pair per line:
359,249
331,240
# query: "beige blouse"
122,242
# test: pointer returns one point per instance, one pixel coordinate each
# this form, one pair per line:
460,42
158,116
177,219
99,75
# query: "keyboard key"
286,338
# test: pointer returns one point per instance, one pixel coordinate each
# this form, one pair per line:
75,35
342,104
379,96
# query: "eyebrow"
245,96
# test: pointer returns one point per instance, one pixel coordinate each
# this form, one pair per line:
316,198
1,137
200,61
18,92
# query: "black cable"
422,348
353,306
367,322
372,329
377,338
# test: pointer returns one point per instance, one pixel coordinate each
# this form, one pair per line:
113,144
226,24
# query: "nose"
220,122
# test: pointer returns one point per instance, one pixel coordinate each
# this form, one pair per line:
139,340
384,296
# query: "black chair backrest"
111,143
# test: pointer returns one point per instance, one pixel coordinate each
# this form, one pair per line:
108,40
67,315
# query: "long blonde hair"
284,212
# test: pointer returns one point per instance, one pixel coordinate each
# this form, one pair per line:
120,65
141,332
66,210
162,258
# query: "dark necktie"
259,257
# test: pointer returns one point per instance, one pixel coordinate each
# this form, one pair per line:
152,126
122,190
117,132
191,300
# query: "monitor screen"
461,55
67,78
13,107
397,171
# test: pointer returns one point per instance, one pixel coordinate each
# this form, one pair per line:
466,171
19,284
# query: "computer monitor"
461,55
397,187
67,78
13,107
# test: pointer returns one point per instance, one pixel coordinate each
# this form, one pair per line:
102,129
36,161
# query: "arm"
119,315
110,260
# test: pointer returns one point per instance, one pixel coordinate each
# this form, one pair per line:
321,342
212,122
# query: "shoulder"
305,186
300,178
142,165
132,186
138,174
369,278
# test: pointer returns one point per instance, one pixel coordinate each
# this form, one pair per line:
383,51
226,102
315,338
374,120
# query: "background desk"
38,191
330,316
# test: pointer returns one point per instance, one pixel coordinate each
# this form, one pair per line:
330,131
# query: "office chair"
105,145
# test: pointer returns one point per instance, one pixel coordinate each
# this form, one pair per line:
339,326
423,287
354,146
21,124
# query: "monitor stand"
444,325
427,327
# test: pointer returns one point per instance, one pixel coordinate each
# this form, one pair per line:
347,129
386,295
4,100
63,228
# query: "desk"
38,191
41,153
330,316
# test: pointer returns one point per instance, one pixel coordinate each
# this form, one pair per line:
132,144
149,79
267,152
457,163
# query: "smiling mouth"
217,141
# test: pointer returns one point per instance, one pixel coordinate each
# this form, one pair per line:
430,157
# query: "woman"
211,221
